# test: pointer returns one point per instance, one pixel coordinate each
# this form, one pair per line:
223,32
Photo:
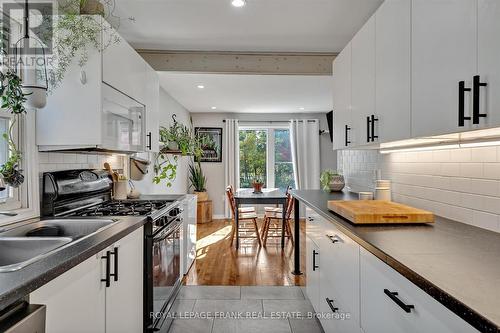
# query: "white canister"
383,183
365,195
120,190
383,193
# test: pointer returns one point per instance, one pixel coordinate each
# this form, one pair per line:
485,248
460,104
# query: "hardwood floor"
218,263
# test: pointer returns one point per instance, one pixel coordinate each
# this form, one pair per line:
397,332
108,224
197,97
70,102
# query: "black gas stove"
123,208
88,193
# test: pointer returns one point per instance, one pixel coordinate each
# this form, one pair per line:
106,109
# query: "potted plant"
198,181
332,181
176,139
257,184
12,99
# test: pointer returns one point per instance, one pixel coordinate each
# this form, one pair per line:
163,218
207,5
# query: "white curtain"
304,137
232,161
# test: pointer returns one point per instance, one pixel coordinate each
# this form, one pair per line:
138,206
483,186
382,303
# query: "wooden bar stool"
246,216
273,220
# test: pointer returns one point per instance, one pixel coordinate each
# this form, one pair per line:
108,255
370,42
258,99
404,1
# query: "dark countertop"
16,285
167,197
455,263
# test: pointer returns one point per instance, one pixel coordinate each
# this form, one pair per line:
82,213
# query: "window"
265,153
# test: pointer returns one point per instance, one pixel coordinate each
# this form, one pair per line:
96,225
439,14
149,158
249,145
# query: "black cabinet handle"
476,94
149,141
368,136
330,304
115,270
314,260
107,279
333,238
393,295
461,103
372,122
347,129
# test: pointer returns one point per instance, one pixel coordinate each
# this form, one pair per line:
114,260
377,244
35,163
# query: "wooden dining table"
269,197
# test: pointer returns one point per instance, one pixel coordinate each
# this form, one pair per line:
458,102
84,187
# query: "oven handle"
168,229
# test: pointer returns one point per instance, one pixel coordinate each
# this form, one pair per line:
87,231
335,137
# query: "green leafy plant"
185,142
12,99
11,92
165,169
197,178
326,178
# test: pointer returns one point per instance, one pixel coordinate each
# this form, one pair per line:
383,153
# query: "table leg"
283,223
237,222
296,270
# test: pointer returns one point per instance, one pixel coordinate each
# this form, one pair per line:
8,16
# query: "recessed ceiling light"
214,108
301,108
200,86
238,3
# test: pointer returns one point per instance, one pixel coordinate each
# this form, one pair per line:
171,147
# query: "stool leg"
257,231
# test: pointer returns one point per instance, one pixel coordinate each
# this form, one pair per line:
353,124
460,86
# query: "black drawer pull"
330,304
107,279
393,295
461,103
314,260
334,238
476,93
149,146
372,121
368,126
347,129
115,256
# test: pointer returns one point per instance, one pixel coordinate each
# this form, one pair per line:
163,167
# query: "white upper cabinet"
489,61
392,70
342,99
363,84
103,104
152,110
124,68
443,54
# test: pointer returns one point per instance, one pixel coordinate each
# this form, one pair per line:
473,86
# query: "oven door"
166,266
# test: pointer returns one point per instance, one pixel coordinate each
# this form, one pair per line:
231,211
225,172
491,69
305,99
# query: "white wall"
168,107
215,171
459,184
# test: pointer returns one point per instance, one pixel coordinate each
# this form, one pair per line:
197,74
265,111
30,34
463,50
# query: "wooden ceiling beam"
270,63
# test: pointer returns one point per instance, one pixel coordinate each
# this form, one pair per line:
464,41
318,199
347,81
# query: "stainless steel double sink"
28,243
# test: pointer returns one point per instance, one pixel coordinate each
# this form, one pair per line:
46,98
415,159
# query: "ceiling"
262,25
249,93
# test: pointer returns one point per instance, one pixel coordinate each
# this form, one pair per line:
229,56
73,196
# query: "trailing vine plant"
75,34
12,99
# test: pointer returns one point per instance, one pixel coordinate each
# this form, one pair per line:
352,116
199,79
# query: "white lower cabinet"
313,274
79,301
382,288
351,290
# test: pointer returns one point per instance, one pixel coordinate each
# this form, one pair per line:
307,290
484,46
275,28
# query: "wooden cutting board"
380,212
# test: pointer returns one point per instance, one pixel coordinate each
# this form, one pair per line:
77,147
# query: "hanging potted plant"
78,30
13,99
198,181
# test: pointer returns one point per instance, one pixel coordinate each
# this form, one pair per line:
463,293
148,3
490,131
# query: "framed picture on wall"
211,143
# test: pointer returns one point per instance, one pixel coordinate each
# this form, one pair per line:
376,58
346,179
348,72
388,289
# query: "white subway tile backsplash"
471,170
460,184
71,161
484,154
485,220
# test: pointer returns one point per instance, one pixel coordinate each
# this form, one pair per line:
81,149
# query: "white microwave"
123,121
